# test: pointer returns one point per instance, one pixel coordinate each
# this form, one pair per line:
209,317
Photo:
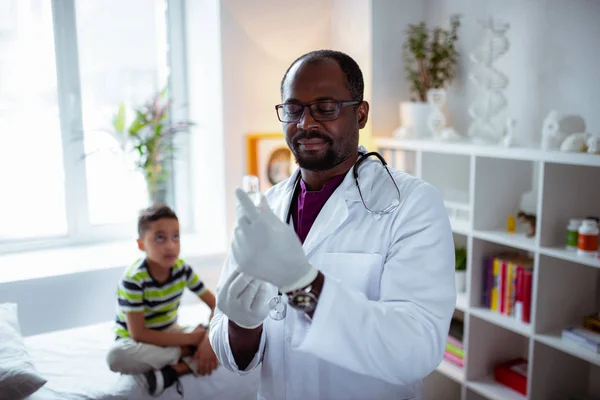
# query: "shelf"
460,226
494,390
451,371
554,340
461,301
517,240
570,255
503,321
493,151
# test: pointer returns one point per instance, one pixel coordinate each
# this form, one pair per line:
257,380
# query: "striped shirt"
139,292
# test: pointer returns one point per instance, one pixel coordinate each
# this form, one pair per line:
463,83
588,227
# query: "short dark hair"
151,214
354,77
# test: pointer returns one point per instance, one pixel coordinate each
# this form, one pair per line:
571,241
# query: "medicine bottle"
573,232
587,243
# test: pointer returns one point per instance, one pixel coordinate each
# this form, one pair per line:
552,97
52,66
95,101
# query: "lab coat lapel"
283,206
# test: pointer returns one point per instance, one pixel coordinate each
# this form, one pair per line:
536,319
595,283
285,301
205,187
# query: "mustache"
311,135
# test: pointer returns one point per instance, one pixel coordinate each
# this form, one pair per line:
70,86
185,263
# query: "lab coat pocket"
361,271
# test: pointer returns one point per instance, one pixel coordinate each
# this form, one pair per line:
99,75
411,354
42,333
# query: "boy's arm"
140,333
209,299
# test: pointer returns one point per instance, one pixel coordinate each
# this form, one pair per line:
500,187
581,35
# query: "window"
125,63
31,157
65,66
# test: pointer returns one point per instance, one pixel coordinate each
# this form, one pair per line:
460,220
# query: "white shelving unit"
485,183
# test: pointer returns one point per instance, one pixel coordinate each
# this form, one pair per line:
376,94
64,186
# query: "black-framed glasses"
321,111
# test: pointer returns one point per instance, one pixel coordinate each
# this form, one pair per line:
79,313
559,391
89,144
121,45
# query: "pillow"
18,377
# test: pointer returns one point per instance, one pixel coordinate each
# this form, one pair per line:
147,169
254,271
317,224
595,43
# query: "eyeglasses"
327,110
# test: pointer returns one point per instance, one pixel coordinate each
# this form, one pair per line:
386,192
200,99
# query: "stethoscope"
277,308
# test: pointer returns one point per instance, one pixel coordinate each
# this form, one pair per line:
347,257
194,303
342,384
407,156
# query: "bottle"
511,224
573,232
250,185
587,243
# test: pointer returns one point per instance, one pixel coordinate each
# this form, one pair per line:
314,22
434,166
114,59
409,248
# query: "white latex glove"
267,248
244,300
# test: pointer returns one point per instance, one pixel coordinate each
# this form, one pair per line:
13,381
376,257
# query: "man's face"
320,146
161,242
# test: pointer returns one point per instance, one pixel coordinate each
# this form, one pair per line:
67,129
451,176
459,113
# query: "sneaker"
156,381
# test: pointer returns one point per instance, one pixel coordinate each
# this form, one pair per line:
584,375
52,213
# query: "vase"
460,281
157,193
414,119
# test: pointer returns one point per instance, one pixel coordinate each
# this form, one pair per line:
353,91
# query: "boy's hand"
198,335
205,357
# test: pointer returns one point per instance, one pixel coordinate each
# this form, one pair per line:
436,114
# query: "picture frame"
269,158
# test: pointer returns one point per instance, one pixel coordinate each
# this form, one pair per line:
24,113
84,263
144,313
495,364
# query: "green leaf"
119,118
460,255
137,125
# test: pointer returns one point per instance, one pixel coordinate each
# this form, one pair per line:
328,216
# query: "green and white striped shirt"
139,292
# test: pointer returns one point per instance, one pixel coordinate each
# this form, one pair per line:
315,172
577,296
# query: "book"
488,281
455,342
513,374
455,350
502,288
583,337
523,293
494,295
511,288
453,359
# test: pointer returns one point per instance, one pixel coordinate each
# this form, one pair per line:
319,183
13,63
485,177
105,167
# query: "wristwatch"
303,299
306,298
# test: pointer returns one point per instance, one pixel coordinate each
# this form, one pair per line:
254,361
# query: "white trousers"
127,356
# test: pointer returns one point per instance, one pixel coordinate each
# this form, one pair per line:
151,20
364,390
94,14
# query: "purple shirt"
307,205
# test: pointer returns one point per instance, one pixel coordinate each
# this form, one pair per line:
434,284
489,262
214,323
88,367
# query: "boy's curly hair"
151,214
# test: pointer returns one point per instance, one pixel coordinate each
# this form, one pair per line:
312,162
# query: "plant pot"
414,119
461,281
157,193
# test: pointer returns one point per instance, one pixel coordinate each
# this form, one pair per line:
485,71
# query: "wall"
207,141
78,299
351,33
549,64
259,40
390,20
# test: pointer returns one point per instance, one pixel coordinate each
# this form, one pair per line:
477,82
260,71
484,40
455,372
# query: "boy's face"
161,242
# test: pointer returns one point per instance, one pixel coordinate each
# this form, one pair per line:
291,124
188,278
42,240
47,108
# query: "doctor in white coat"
336,292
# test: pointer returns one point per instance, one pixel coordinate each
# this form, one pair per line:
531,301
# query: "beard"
323,160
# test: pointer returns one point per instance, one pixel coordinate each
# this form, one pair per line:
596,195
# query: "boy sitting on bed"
149,343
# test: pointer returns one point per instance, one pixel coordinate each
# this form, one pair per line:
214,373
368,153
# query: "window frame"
79,229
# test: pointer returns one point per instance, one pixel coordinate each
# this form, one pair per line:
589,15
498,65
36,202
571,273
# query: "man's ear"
363,114
140,245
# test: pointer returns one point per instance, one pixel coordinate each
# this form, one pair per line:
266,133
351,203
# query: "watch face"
304,301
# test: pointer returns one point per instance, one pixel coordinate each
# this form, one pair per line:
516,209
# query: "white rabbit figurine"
593,144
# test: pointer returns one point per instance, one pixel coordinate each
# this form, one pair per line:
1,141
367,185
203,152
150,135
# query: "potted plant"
460,258
149,136
430,60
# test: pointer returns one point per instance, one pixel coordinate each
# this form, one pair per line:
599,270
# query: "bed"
74,363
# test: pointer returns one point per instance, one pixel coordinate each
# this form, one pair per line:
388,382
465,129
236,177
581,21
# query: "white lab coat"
384,312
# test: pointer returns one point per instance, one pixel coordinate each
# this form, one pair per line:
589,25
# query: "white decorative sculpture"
508,139
557,127
490,83
436,120
576,143
593,144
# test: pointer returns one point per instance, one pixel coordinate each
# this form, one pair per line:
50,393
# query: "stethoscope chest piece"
277,308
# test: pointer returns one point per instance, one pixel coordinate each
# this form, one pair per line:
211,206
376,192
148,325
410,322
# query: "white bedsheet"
74,362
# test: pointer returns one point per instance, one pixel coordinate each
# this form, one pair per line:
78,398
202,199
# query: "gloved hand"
244,300
267,248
